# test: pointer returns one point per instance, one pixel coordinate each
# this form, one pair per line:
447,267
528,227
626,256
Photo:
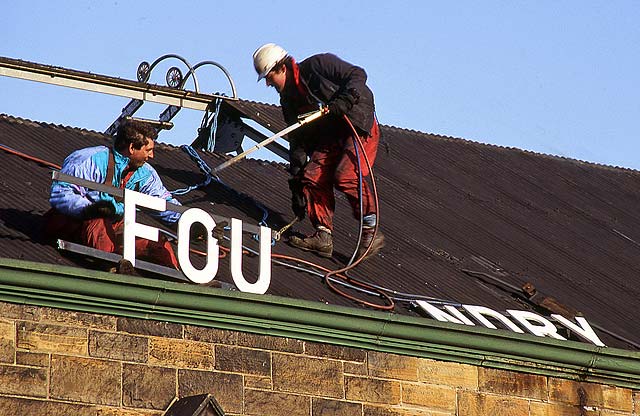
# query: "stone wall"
55,362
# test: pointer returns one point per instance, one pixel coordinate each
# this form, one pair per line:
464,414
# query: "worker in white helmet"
322,154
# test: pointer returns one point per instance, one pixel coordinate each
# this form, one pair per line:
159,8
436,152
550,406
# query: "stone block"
149,327
359,369
181,353
511,383
85,380
557,409
372,390
596,395
19,311
478,404
335,352
448,374
56,316
23,381
116,346
148,387
7,351
262,403
306,375
7,341
226,388
23,406
51,338
244,339
370,410
118,411
266,342
33,359
243,360
326,407
72,318
429,395
213,335
607,412
398,367
258,382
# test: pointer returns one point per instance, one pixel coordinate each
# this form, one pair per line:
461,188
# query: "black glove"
297,158
298,201
218,230
339,106
344,102
100,209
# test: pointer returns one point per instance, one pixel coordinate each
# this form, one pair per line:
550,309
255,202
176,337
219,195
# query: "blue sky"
556,77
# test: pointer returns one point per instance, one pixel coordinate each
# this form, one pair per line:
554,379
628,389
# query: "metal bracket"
140,264
114,258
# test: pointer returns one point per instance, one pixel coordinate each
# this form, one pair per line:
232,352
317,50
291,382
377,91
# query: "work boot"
368,240
125,267
320,243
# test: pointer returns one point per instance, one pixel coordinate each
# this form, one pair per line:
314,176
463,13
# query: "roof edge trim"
89,291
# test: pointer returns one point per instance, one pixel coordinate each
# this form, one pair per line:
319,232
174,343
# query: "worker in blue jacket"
94,218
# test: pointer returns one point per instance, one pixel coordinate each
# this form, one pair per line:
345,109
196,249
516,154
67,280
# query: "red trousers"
334,165
106,235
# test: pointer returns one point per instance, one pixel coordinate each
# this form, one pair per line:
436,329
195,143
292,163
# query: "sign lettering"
134,229
529,321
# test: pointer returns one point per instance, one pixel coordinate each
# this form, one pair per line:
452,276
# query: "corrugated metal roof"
453,212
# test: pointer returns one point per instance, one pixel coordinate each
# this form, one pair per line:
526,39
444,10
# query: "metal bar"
156,124
105,84
257,137
63,177
117,192
114,258
140,264
309,118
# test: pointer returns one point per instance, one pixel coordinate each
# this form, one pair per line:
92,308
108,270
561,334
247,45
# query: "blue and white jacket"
91,164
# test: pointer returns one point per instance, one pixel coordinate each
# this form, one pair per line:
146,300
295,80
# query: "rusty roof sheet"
463,221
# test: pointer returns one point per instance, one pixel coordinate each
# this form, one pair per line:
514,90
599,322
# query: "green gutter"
97,292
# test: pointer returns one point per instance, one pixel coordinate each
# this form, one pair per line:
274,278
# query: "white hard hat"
266,57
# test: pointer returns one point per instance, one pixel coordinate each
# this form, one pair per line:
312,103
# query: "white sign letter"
478,312
442,316
131,228
527,320
264,278
584,331
184,231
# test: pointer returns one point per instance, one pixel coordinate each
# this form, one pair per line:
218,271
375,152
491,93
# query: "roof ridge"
513,148
12,118
387,126
259,102
480,143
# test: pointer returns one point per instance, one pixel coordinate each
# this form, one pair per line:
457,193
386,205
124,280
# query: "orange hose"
341,273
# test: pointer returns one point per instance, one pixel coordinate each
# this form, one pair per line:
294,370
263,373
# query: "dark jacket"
327,78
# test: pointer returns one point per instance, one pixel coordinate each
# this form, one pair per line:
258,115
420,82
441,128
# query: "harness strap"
111,167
